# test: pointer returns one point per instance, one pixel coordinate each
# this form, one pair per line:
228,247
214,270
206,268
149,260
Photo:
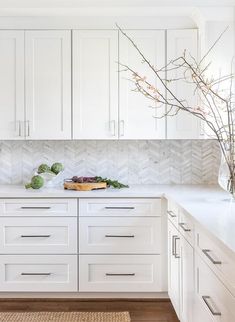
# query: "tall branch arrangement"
215,99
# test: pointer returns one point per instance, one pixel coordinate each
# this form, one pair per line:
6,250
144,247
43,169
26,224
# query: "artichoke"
37,182
44,168
57,167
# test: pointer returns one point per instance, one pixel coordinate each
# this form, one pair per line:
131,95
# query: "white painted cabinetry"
120,245
138,115
48,84
174,267
38,67
35,79
95,84
180,262
38,245
201,283
109,245
183,125
11,84
186,281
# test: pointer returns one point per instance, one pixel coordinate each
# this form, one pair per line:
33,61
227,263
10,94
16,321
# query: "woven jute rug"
65,317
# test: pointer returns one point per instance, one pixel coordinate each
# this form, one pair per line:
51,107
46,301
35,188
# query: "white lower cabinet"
38,273
213,301
174,267
186,281
120,235
114,245
33,235
120,273
200,277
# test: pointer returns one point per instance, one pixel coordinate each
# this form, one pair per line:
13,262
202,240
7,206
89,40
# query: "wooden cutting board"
86,186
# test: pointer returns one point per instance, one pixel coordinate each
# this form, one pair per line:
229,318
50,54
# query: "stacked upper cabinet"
138,115
95,84
48,84
35,80
11,85
183,125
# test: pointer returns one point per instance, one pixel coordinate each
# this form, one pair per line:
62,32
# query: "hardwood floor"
140,310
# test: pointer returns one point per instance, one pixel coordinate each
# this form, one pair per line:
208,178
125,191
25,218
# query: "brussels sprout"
44,168
37,182
57,167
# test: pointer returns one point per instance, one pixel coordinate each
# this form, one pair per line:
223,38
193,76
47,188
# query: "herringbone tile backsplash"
133,162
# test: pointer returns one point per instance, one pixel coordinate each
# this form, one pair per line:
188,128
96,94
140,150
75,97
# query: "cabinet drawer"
213,295
186,227
173,212
38,236
119,207
120,235
38,273
38,207
120,273
219,259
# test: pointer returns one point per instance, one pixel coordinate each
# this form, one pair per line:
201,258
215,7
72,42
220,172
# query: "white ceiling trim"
13,4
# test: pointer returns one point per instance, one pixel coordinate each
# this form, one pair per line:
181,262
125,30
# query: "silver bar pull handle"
207,253
120,236
36,274
112,127
120,207
173,245
35,236
175,240
35,207
121,127
182,225
20,129
171,214
28,128
206,300
120,274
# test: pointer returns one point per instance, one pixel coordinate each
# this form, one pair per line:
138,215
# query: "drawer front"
120,273
38,273
212,294
119,207
120,235
38,207
173,212
38,236
218,259
186,227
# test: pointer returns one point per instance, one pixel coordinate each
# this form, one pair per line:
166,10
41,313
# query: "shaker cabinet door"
186,281
95,84
48,84
138,114
183,125
11,84
174,267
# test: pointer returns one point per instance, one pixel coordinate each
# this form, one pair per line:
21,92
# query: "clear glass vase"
225,179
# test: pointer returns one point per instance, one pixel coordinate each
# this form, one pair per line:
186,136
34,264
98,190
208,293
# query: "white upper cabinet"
48,84
183,125
136,112
95,84
11,84
36,74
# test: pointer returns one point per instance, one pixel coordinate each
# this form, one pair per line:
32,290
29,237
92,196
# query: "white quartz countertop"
210,206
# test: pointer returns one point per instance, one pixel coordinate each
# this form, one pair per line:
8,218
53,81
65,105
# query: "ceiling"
20,4
13,8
